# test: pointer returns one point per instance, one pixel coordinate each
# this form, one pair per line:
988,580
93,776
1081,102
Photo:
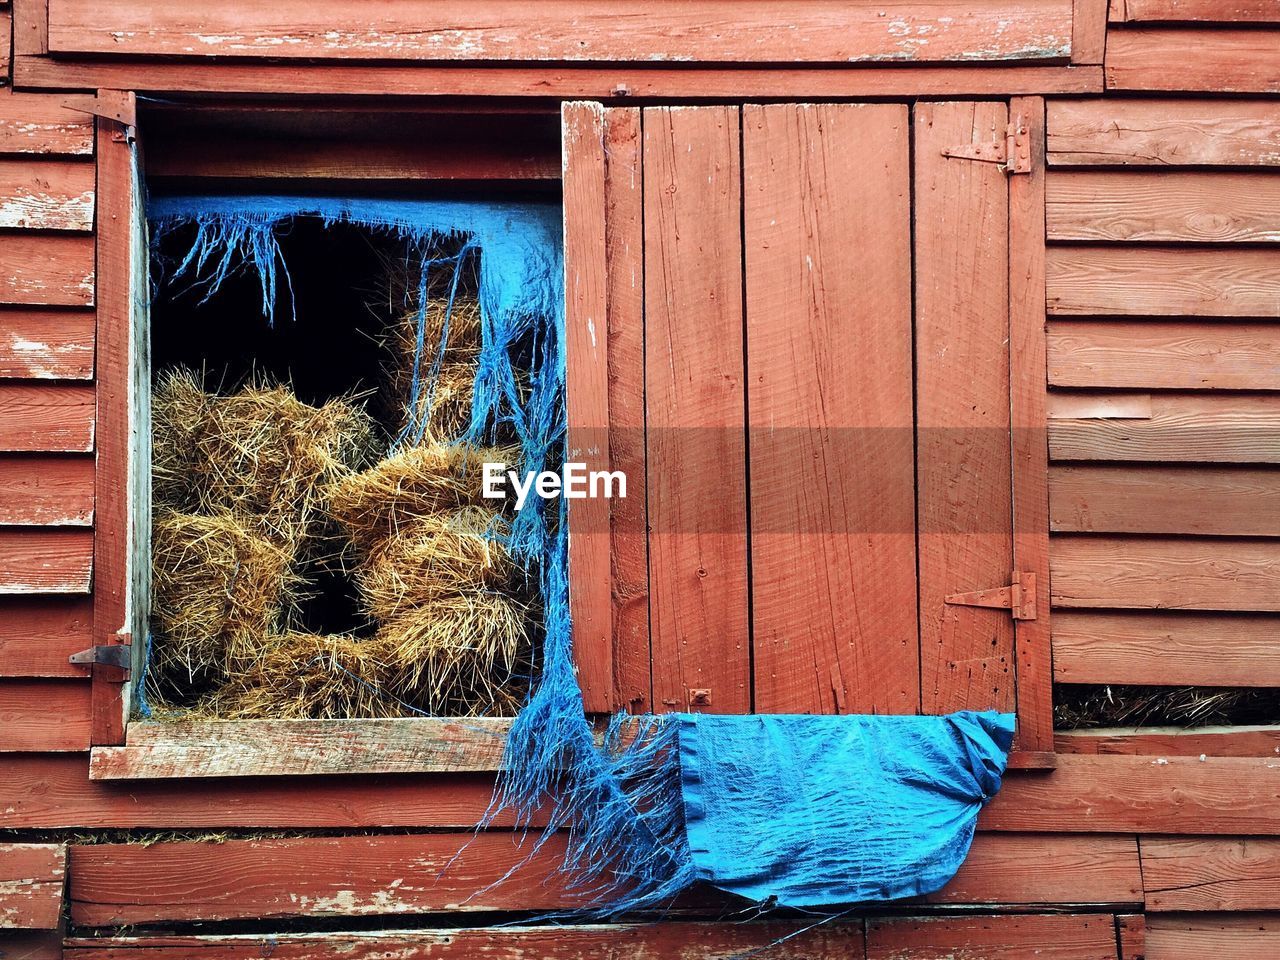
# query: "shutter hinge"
1019,597
119,655
1012,154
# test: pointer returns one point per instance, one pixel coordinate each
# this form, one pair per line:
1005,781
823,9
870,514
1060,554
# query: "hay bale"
216,585
179,418
413,484
297,676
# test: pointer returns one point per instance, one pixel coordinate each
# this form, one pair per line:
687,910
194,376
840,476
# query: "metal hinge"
1012,154
1019,597
122,109
108,655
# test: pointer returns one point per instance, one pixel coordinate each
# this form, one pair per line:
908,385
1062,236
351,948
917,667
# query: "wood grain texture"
1164,356
45,716
1164,133
1142,794
964,499
613,82
1219,874
45,561
255,748
1182,207
1162,282
1131,936
696,438
1182,428
1041,868
46,491
1088,31
1217,61
32,876
36,124
1150,573
629,518
32,944
114,884
642,941
46,344
1214,650
1071,405
1225,741
121,375
1245,936
1199,11
1028,415
38,634
1008,937
819,31
1216,501
46,269
587,398
829,399
46,419
46,194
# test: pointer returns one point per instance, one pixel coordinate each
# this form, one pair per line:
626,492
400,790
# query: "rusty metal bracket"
1012,154
107,655
121,109
1019,597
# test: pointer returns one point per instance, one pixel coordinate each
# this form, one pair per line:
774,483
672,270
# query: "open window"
309,541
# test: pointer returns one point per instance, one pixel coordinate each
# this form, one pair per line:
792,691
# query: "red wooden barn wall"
1162,288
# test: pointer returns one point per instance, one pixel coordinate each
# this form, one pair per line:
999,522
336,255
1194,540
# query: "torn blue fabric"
804,811
815,811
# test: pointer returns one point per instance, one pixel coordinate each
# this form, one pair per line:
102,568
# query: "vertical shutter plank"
695,408
828,283
962,405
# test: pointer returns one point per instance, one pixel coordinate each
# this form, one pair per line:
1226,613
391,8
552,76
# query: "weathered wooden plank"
46,419
828,289
1042,869
963,455
1029,448
31,123
1203,11
1245,936
45,561
587,397
38,634
254,748
1162,282
121,373
1088,31
32,944
1218,874
1182,428
46,269
115,884
629,517
1140,207
1164,133
32,876
46,194
1131,935
1009,937
1066,405
694,395
647,941
830,31
1219,501
1215,61
1222,650
46,344
1142,794
1148,573
46,716
1164,356
1226,741
46,491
